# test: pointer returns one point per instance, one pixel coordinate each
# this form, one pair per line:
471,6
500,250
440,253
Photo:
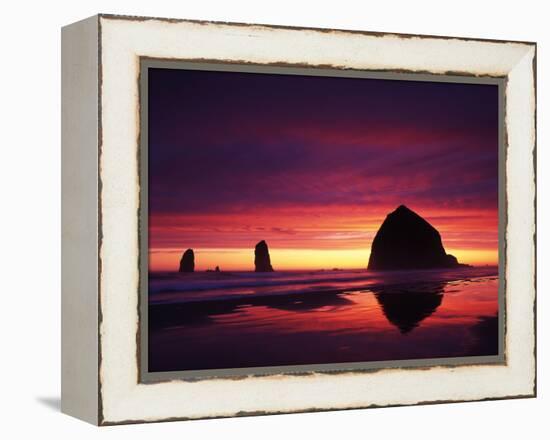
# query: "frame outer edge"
109,422
535,205
79,220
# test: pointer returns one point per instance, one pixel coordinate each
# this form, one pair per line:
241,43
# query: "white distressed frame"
122,41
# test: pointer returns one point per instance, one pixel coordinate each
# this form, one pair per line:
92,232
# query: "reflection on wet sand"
202,312
325,323
407,307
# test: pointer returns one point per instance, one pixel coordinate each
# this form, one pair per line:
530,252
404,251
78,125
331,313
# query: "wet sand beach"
244,319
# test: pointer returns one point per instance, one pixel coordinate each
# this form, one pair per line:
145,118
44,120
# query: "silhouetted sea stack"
262,262
407,241
187,262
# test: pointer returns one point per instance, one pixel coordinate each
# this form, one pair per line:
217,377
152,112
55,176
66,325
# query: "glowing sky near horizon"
313,165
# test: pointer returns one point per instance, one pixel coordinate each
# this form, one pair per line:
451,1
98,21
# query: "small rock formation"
407,241
262,262
217,269
187,262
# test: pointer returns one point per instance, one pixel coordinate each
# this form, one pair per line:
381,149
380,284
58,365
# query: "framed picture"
262,220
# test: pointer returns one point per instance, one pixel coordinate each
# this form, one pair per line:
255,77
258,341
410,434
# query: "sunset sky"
313,165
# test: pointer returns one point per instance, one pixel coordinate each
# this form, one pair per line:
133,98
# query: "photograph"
309,219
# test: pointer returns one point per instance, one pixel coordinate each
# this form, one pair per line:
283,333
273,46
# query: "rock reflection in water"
406,307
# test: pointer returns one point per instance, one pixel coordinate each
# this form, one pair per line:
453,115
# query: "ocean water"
211,320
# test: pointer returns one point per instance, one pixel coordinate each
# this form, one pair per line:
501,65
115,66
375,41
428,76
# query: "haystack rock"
262,262
407,241
187,262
